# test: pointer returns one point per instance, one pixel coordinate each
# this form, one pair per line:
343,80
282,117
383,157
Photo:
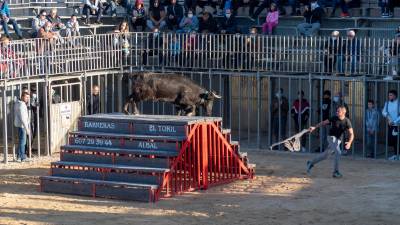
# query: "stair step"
142,158
107,172
106,141
121,150
141,124
98,188
130,136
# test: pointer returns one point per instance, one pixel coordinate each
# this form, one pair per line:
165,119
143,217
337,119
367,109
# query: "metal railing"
252,53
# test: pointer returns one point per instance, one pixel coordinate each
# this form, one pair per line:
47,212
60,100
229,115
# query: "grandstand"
366,19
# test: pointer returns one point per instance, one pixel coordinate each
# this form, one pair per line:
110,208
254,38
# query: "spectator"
325,109
313,17
72,27
339,101
391,111
333,50
280,109
251,50
174,51
55,98
352,50
344,5
155,43
228,24
190,46
264,4
189,23
295,4
212,3
236,4
271,21
139,15
157,16
174,15
207,24
111,7
387,8
46,32
371,123
55,20
93,101
38,22
190,5
122,36
92,7
13,66
21,121
5,20
300,114
394,57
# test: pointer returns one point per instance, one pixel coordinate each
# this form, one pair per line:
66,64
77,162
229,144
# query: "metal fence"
170,51
68,70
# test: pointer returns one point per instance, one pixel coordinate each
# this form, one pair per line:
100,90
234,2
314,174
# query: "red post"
204,156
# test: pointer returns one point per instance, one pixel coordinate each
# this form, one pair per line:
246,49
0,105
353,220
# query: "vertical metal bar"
5,139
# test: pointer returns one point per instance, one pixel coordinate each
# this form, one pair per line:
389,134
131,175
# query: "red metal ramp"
146,157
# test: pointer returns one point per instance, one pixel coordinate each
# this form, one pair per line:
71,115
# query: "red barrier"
205,159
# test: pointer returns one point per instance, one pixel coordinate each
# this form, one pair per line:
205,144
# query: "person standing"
391,112
21,121
93,101
339,124
280,109
371,123
325,110
300,114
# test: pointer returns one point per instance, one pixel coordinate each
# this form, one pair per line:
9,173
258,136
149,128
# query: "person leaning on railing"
5,20
11,64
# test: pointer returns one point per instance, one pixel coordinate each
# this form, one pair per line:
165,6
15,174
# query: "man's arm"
347,144
321,124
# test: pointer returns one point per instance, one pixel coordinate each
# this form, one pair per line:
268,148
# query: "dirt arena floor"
282,193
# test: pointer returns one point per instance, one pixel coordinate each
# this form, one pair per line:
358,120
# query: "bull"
185,94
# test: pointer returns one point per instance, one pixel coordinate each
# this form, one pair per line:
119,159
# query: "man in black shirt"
93,101
339,124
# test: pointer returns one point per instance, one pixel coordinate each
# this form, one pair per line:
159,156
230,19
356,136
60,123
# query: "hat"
335,33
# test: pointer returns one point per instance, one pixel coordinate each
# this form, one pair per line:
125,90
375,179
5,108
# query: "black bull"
186,95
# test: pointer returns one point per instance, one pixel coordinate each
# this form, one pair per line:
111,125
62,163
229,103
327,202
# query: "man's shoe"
26,160
345,15
309,167
336,174
17,160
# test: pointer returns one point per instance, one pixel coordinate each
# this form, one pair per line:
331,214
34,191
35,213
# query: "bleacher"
366,20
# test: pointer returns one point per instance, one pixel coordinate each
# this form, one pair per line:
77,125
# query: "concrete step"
98,188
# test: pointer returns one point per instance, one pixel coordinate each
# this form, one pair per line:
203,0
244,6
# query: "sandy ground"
369,193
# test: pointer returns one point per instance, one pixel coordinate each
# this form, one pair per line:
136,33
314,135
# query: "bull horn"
215,95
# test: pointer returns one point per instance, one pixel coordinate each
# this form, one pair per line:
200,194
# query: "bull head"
207,100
